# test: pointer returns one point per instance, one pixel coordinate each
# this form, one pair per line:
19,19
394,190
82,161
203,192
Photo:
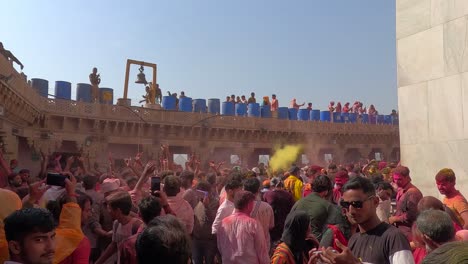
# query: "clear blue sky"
314,50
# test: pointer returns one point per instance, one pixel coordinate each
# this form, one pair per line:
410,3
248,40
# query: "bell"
141,76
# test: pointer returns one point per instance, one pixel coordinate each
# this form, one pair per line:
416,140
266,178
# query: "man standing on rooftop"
274,103
252,99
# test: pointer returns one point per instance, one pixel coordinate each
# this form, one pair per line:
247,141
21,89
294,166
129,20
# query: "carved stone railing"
152,116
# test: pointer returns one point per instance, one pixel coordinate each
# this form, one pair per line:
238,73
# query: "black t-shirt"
378,244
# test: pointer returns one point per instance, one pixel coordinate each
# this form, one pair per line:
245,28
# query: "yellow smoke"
285,157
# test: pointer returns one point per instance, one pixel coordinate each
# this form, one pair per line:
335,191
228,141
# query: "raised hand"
70,184
128,161
37,190
58,157
330,255
149,168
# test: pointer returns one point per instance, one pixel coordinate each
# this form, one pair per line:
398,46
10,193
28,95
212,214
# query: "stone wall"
432,56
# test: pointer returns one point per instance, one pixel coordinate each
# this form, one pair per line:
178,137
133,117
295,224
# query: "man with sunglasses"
377,242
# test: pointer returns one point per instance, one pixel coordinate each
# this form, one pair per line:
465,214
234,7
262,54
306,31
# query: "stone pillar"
432,87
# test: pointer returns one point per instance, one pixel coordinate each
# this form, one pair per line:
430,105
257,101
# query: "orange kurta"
68,233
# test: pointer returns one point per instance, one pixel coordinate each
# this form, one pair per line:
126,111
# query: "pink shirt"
263,213
241,240
182,210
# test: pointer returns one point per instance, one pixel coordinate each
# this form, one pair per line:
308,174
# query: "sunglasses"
355,204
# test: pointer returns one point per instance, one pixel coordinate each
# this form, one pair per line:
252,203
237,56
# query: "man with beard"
376,241
30,234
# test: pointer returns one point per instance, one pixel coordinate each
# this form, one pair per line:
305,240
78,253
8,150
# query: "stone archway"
352,155
372,154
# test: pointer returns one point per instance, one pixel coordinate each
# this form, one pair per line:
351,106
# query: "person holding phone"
203,241
388,243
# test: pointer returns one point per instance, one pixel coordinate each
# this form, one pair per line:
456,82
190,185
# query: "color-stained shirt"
263,213
294,185
241,240
190,195
407,200
122,232
225,209
384,244
458,205
183,211
127,248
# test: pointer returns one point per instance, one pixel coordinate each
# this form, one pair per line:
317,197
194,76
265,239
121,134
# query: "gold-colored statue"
95,80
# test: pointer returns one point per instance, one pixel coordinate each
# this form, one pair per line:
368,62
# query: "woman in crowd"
294,245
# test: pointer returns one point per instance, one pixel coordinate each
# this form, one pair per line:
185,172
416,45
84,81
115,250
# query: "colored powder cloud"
285,157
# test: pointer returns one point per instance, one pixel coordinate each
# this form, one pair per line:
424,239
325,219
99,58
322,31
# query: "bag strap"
255,210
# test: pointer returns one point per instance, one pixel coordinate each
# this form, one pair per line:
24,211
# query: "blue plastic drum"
388,120
106,96
185,104
169,103
241,109
227,108
303,115
199,105
337,117
265,111
292,113
352,117
83,92
345,117
62,90
41,86
365,118
325,116
253,110
315,115
214,106
283,113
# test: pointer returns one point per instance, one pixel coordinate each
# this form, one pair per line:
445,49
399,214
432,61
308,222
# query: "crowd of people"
150,212
357,107
273,103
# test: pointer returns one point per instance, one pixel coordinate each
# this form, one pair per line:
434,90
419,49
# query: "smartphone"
56,179
155,184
